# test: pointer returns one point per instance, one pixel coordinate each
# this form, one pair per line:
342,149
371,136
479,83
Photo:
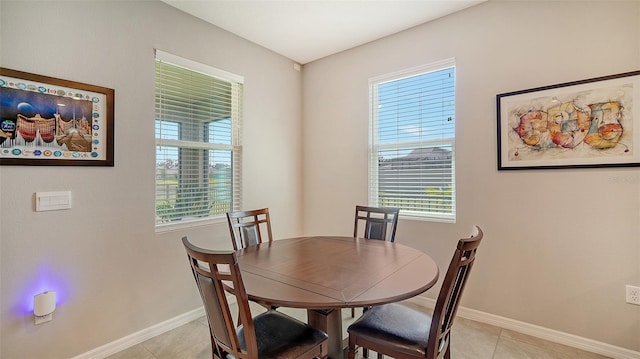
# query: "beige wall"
559,244
113,274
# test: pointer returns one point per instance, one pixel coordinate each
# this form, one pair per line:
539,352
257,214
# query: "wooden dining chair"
402,332
268,335
379,223
247,227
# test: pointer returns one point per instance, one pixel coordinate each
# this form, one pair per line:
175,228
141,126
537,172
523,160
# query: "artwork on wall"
588,123
49,121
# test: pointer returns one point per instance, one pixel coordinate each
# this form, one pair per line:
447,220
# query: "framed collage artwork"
50,121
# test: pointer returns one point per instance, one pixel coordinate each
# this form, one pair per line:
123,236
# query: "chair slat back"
450,293
379,223
246,227
217,275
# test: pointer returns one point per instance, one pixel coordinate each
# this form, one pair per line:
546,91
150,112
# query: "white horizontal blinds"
412,142
198,156
236,141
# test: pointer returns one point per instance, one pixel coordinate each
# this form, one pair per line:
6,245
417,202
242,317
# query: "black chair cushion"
399,327
280,336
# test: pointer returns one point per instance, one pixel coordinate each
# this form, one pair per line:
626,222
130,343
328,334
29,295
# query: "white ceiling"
308,30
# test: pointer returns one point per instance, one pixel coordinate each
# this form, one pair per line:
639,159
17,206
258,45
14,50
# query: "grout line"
495,347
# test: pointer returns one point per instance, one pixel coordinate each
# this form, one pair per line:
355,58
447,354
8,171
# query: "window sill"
427,218
186,224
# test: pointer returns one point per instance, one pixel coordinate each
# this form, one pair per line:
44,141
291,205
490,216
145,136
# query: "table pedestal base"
330,322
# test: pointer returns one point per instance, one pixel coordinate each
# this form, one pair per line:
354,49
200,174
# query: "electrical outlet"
633,295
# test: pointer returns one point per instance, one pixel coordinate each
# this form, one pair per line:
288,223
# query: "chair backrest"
210,269
379,223
450,293
245,227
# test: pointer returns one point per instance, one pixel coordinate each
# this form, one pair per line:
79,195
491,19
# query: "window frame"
235,147
375,147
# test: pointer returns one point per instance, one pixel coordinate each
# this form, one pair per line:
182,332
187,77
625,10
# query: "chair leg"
380,356
365,351
351,351
353,312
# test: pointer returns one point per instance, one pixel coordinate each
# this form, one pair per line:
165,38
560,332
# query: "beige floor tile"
587,355
508,348
571,352
193,335
483,327
300,314
135,352
203,320
473,340
201,351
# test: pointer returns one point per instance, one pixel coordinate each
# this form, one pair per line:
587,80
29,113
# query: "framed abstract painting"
587,123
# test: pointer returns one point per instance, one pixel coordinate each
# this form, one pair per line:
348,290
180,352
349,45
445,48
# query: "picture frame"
590,123
54,122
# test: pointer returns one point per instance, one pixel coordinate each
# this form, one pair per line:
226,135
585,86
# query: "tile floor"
471,340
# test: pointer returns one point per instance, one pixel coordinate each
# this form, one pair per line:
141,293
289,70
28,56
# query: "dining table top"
330,272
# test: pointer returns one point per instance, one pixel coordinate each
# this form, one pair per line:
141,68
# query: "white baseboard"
139,337
551,335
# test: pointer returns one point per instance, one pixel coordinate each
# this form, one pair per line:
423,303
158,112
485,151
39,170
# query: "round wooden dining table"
325,273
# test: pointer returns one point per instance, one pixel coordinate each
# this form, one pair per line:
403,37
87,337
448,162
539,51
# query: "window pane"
419,180
167,130
412,154
197,157
167,176
417,108
221,181
219,131
185,188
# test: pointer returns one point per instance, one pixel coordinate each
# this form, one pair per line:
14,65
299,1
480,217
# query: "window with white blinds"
198,144
412,142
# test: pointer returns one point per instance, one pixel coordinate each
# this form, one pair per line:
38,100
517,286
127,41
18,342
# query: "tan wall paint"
115,275
559,244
